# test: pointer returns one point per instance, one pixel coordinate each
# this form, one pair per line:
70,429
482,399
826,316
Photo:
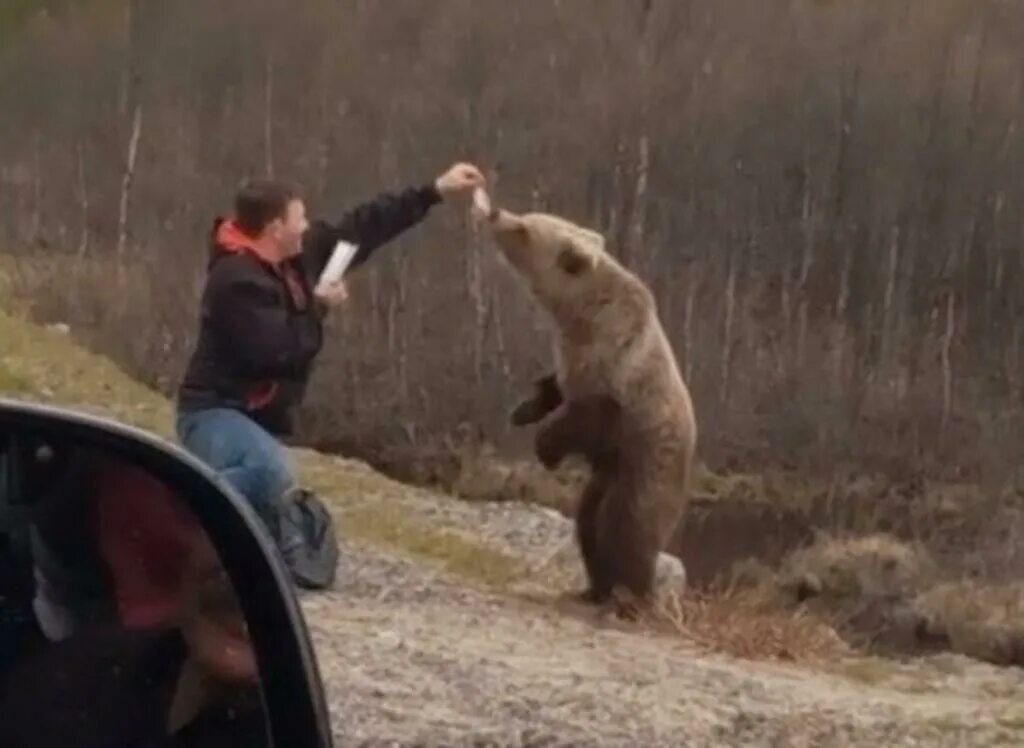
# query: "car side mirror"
140,598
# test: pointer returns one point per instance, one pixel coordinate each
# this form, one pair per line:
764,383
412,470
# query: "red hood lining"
230,238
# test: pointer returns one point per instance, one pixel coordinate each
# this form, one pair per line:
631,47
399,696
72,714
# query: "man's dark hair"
260,201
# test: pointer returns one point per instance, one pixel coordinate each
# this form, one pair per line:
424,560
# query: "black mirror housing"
294,703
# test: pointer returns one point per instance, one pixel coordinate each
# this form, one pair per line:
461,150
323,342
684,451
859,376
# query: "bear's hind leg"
599,586
631,550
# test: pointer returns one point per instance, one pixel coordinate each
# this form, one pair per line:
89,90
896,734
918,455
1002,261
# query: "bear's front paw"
525,413
547,450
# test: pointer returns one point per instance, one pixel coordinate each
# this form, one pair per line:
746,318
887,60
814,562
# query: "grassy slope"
42,365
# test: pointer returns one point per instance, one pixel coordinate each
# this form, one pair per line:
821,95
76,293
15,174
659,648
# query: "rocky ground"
413,656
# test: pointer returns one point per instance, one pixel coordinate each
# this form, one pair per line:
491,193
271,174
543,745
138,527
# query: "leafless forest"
825,196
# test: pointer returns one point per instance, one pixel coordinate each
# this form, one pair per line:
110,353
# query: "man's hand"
459,178
331,294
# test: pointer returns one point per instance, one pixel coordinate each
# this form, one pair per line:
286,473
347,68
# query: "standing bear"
616,398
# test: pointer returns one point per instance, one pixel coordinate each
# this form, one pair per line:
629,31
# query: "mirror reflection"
119,626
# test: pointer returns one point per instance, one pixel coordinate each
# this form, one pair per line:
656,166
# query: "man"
261,325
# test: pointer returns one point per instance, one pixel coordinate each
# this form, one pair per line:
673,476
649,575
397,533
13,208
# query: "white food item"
341,258
481,203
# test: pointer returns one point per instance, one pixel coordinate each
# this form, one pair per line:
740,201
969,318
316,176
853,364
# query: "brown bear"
616,398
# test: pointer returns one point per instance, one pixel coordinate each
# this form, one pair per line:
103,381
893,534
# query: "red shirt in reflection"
145,533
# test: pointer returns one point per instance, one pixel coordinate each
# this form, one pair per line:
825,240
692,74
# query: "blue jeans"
241,451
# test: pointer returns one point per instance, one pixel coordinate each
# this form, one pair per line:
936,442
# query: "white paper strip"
481,204
341,258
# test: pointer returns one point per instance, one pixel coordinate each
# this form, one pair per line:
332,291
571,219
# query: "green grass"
377,510
390,526
11,384
45,366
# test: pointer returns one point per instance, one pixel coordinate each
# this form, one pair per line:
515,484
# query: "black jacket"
259,328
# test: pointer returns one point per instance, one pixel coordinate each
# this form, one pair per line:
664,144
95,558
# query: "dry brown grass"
854,568
479,472
749,625
980,620
865,587
878,590
483,475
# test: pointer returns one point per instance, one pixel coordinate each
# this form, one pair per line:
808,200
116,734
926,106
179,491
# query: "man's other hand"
331,294
459,178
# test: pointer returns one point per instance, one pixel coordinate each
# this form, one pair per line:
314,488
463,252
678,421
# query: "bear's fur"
616,398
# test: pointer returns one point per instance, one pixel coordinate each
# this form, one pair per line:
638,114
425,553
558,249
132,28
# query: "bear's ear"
573,261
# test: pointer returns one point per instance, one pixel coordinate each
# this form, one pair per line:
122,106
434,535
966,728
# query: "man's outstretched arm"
378,221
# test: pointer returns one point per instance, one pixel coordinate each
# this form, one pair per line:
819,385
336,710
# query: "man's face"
287,233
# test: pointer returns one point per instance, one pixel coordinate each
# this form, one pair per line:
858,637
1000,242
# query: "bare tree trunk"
268,116
1012,365
806,261
475,288
403,337
475,285
972,121
692,288
83,201
389,325
126,184
502,348
996,253
727,331
849,90
350,325
841,337
375,305
133,105
947,361
615,202
637,225
323,162
83,239
887,365
37,192
124,93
